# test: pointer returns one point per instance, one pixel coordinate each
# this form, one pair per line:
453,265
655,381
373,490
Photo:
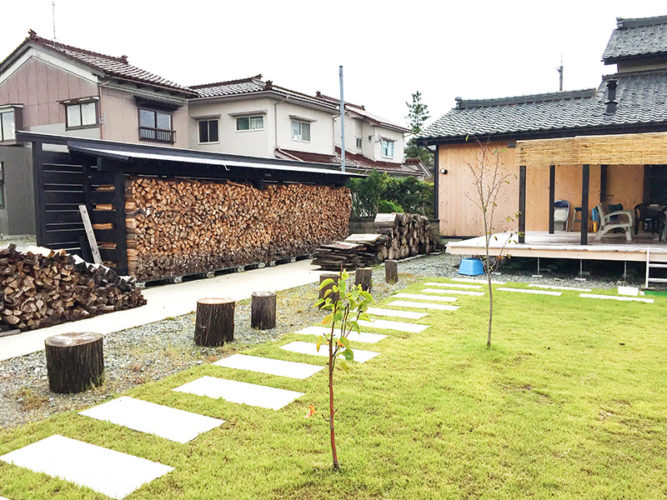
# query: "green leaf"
348,354
344,366
320,341
326,283
328,320
345,342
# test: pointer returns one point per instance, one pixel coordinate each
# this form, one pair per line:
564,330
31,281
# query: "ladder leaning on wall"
650,266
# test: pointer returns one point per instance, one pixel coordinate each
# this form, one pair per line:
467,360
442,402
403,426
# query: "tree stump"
391,271
74,361
215,321
263,310
364,277
334,296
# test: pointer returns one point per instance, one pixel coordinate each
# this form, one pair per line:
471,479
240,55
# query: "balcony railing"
157,135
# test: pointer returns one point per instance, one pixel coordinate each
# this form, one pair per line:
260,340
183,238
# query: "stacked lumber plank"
45,288
179,227
407,234
358,250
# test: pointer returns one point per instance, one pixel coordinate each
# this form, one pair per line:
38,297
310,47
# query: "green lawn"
571,400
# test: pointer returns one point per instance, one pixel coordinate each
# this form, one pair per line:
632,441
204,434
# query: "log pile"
43,289
397,236
180,227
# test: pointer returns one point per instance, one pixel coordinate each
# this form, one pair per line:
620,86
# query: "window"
155,125
387,148
2,185
358,142
300,130
7,126
208,131
81,114
250,122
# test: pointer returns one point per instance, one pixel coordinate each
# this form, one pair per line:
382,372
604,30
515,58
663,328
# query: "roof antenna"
560,74
53,16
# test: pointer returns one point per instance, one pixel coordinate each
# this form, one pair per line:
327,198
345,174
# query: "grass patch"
570,400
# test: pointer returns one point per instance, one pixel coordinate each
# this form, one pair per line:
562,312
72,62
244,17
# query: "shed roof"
637,38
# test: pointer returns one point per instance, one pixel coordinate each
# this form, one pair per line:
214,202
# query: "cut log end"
214,324
74,362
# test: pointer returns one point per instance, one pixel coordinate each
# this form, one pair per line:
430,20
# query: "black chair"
650,217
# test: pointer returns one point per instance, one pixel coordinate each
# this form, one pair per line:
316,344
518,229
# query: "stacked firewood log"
43,289
179,227
358,250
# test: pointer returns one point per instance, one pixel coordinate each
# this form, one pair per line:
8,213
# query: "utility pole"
560,74
342,120
53,17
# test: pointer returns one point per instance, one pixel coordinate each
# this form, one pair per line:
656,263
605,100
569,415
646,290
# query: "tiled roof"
109,65
358,163
254,85
640,97
637,38
361,111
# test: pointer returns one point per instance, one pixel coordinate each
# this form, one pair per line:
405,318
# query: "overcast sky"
472,49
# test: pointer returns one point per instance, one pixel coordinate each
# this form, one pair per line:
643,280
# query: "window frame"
156,129
7,111
208,127
249,118
359,142
301,124
80,103
384,141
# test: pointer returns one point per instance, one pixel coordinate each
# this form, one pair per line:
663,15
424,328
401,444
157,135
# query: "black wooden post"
119,222
603,183
38,189
585,175
436,183
522,204
552,189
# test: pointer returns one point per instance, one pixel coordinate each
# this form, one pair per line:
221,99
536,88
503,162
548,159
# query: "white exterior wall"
243,142
353,129
321,128
378,134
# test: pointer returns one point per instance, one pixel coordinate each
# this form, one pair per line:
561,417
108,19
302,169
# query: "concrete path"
169,300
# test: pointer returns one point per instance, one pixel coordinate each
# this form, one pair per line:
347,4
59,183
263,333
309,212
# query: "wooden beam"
603,183
522,204
552,189
585,178
38,187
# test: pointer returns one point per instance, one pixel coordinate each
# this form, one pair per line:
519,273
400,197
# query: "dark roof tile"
637,38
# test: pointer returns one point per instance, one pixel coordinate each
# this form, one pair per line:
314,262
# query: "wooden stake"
391,271
263,310
364,277
74,361
215,321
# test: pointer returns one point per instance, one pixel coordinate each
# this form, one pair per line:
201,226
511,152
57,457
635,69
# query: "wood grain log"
74,362
263,310
214,324
391,271
364,277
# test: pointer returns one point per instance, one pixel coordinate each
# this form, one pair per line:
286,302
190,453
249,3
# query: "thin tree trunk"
331,406
488,338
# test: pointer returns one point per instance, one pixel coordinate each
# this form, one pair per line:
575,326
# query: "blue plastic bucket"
471,267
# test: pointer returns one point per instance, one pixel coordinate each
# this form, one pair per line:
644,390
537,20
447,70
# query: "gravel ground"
151,352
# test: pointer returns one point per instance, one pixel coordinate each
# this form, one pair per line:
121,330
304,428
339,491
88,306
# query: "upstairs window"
358,142
155,125
387,148
208,131
250,122
300,130
7,125
81,115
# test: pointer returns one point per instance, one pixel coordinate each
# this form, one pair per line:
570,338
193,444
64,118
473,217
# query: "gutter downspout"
275,123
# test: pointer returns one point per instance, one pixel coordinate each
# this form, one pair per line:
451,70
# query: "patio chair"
561,210
624,220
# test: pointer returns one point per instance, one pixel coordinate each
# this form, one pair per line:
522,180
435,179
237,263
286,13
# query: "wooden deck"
565,245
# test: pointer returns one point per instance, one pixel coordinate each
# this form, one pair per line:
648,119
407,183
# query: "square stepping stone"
456,285
311,349
552,287
364,337
399,326
109,472
423,305
418,296
398,314
614,297
453,292
471,280
176,425
534,292
271,366
240,392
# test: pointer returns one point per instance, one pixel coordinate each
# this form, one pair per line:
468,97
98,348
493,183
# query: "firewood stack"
179,227
39,290
407,234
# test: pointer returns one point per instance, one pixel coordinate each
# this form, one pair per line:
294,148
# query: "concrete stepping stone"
398,314
109,472
423,305
534,292
311,349
364,337
613,297
271,366
456,285
240,392
483,281
399,326
418,296
169,423
552,287
454,292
